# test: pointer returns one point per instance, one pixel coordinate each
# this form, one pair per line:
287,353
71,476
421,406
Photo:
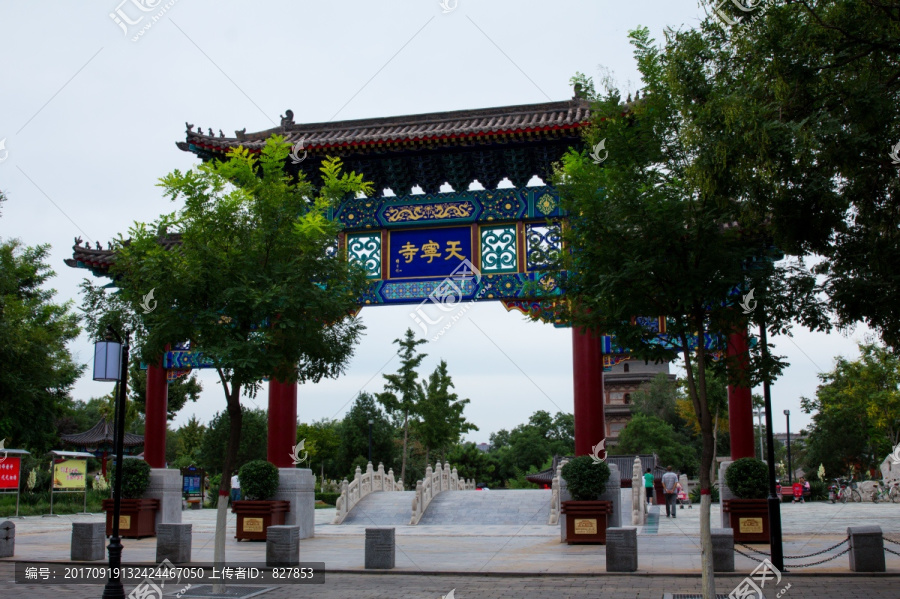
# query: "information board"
9,473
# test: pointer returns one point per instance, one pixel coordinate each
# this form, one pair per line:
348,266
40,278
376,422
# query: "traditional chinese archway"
427,249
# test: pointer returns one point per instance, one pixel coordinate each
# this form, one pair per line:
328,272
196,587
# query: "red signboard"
9,473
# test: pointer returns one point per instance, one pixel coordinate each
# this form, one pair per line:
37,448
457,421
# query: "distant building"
485,447
618,385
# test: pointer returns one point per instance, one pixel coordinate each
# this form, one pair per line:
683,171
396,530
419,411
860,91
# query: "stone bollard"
88,540
621,550
380,548
723,549
282,545
866,549
173,542
7,539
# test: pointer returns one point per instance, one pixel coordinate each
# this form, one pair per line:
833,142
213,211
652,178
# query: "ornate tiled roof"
100,434
98,260
461,127
428,150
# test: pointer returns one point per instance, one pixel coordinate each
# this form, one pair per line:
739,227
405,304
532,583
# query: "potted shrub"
586,517
137,516
256,513
749,513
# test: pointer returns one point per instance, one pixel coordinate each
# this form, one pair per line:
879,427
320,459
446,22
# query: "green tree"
180,391
652,234
441,420
658,398
856,412
354,432
651,434
38,371
251,284
322,440
190,441
808,125
214,445
402,392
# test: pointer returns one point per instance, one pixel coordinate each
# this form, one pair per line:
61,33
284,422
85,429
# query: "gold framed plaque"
585,526
124,522
253,524
750,525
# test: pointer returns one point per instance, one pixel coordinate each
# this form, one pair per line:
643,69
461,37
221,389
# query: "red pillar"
587,362
740,403
282,423
155,414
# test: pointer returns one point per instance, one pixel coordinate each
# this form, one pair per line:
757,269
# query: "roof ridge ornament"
288,119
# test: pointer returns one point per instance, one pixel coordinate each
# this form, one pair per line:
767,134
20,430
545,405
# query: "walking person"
648,486
235,488
669,482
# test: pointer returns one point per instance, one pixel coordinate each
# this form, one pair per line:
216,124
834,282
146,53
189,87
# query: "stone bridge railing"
362,485
555,503
435,481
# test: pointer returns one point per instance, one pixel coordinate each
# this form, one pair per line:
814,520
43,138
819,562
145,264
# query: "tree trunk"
697,391
405,438
235,417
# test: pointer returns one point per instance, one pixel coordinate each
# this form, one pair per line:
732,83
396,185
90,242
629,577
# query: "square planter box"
586,521
254,517
749,519
137,517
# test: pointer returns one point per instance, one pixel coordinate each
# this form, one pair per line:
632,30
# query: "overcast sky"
90,119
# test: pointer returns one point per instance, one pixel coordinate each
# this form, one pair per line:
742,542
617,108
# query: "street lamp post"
371,422
787,414
111,364
774,502
762,444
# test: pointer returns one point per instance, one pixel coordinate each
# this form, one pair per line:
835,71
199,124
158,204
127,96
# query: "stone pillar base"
298,486
866,549
725,493
282,545
380,546
173,542
88,540
165,485
613,493
722,549
7,539
621,550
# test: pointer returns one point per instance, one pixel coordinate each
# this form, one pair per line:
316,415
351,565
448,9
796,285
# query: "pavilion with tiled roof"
99,439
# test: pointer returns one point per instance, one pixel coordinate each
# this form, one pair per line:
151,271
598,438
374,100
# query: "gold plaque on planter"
124,522
253,524
585,526
751,525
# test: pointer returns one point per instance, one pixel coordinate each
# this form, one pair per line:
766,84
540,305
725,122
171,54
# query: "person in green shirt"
648,485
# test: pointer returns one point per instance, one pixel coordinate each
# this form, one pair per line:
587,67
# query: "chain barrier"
822,561
793,557
892,551
890,540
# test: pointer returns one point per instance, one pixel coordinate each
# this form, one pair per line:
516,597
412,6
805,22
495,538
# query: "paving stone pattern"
475,508
382,509
389,585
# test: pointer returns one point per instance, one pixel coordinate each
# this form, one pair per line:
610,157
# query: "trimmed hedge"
136,479
329,498
259,480
747,478
585,478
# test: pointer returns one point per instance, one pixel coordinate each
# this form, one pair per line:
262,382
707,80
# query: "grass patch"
38,504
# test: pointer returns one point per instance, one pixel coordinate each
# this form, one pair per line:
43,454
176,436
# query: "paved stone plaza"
455,554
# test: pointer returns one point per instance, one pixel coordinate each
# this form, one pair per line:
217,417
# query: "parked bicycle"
891,493
843,490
